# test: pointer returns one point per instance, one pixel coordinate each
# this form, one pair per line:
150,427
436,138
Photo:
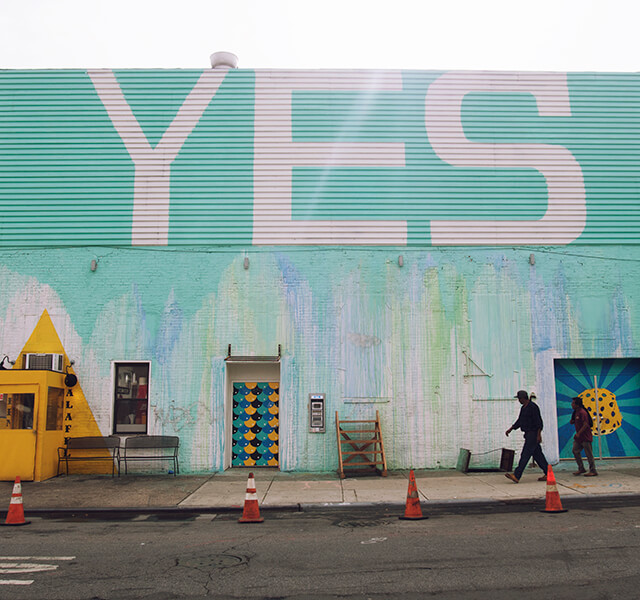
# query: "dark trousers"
578,447
531,448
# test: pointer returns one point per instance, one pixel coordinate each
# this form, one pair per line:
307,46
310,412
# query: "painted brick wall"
439,346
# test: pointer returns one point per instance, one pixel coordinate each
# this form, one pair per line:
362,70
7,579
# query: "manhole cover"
216,561
362,523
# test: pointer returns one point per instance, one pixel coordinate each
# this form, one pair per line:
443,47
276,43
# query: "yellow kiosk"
41,404
31,423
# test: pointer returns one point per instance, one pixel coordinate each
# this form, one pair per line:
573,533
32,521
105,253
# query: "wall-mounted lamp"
70,379
94,265
246,263
2,365
400,260
532,259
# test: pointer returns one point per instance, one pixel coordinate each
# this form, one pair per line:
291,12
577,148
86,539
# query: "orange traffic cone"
553,497
15,515
413,512
251,512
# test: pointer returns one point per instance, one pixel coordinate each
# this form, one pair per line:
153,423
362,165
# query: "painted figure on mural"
583,438
530,422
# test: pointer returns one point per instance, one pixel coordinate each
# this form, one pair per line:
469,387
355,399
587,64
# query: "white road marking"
14,564
17,567
37,557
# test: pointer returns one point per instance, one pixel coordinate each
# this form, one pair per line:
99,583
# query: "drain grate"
362,523
215,561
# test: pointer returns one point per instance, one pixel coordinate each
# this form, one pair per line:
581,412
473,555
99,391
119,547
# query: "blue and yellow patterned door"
255,424
609,387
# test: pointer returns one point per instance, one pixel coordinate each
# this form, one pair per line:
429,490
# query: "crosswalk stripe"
13,565
25,567
37,557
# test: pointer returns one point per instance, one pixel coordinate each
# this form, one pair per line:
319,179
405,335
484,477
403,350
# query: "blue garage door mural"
609,387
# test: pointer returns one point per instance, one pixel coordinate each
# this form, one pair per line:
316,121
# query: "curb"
471,505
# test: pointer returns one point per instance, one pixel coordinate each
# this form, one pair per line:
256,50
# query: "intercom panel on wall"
316,413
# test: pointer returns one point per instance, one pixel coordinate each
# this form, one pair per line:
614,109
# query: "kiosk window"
131,395
55,400
16,411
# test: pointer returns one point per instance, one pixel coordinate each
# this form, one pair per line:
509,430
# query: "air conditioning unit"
44,362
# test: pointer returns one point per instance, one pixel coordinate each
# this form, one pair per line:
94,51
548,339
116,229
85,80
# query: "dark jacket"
529,418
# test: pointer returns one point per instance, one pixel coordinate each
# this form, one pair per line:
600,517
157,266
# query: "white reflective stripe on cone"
17,500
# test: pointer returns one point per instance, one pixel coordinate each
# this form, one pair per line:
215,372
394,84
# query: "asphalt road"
525,554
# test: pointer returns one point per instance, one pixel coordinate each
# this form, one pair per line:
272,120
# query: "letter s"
566,214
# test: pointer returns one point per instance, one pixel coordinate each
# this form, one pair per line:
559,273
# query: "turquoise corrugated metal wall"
184,157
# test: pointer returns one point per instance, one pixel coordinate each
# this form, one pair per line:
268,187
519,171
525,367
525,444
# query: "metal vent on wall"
44,362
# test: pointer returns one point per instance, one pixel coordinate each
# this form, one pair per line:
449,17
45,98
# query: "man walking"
530,422
583,438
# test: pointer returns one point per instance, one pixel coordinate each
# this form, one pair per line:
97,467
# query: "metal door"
609,387
18,419
255,424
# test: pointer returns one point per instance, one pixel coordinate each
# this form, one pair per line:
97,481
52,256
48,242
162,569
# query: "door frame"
247,370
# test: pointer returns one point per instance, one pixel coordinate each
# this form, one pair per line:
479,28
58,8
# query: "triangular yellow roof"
44,339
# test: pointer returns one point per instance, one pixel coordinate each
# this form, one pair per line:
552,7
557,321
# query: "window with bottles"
131,397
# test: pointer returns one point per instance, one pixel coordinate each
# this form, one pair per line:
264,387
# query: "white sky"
556,35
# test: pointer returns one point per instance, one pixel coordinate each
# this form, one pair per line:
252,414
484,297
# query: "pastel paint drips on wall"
353,322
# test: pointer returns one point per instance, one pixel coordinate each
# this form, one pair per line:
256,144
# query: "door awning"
237,358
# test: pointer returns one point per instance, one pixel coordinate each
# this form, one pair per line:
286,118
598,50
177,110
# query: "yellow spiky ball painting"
605,405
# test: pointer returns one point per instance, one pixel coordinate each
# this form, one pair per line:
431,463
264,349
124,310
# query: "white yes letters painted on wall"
276,154
152,186
566,213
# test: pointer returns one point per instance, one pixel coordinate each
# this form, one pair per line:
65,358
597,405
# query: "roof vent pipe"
224,60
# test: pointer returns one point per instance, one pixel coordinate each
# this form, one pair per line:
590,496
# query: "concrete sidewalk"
226,490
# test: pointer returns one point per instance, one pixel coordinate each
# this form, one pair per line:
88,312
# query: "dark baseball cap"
522,395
